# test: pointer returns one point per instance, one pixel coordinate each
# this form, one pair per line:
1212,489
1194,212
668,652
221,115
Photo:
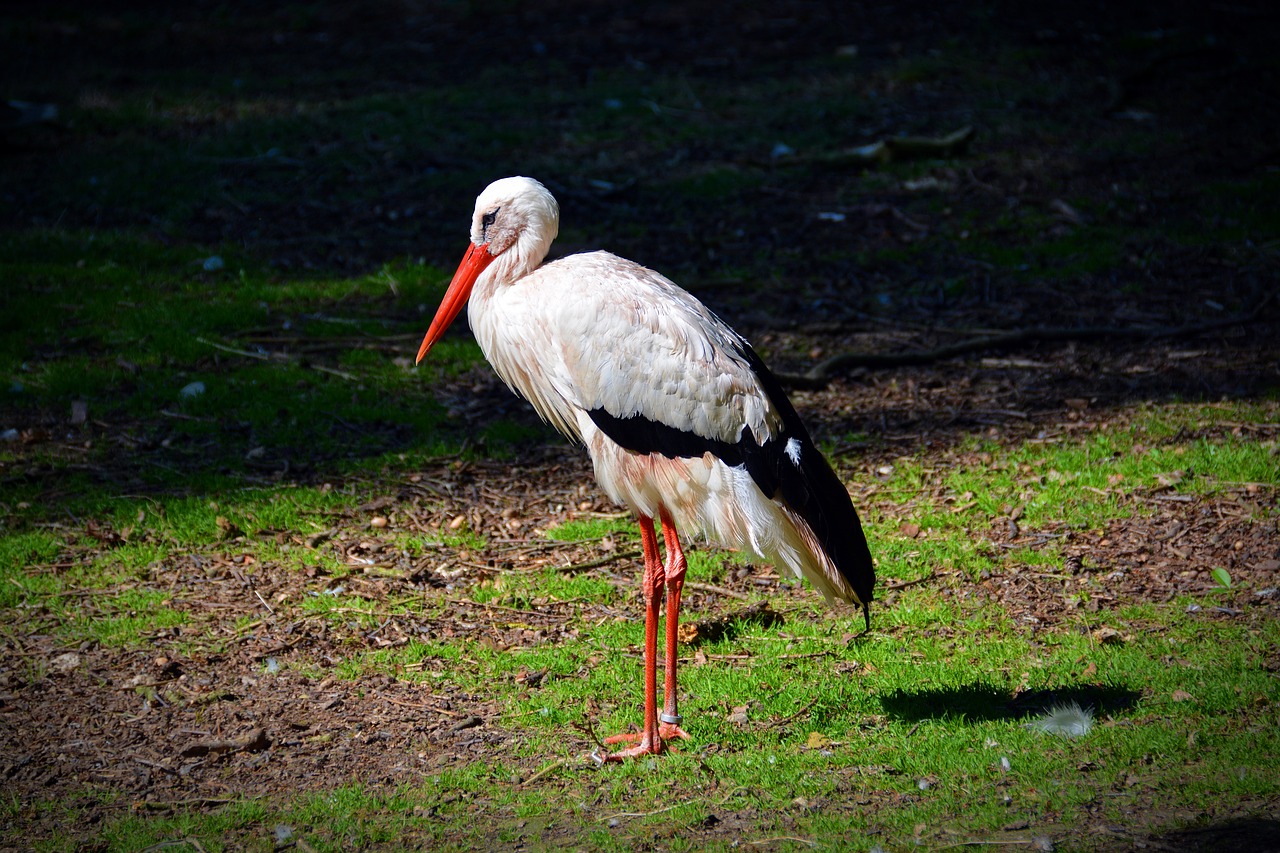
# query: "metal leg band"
673,719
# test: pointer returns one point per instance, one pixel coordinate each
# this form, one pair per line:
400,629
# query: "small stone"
65,662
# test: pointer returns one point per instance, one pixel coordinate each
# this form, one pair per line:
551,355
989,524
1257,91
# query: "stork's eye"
488,218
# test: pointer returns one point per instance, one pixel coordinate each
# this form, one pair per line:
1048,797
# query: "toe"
670,731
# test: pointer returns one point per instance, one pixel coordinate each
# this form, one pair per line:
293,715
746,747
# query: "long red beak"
473,263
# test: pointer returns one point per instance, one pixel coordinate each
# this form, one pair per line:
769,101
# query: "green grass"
584,530
938,716
919,717
1071,484
127,328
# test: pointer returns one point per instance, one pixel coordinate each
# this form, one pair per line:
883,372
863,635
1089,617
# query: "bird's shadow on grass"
981,701
1256,835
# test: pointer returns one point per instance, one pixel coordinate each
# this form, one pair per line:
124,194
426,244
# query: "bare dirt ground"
201,732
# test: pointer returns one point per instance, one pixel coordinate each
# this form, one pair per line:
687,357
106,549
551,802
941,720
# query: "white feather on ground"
1067,720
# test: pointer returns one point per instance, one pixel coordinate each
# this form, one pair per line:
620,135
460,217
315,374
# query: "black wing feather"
813,490
811,487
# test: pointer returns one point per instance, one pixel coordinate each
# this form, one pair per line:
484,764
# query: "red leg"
650,741
670,720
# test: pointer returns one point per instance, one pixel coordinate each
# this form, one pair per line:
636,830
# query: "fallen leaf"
1109,637
227,528
65,662
817,740
531,679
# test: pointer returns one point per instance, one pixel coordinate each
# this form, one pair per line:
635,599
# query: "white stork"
683,422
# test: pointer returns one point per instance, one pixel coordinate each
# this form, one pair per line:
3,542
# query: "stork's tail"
819,507
802,479
826,507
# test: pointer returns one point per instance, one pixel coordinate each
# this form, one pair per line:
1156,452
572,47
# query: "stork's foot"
666,732
641,748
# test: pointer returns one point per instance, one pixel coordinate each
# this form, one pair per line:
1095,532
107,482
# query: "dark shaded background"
1048,89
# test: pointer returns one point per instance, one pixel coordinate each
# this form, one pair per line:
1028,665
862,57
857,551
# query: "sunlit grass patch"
711,566
550,584
337,604
136,831
19,550
932,549
127,562
460,538
585,529
1068,483
127,618
924,713
419,658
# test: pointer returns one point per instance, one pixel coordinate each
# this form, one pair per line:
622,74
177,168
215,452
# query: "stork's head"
518,215
514,222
